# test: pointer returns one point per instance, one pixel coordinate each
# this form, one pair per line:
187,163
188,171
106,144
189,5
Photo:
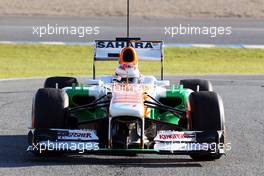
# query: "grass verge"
48,60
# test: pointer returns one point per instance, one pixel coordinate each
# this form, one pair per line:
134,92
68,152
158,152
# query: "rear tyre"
204,85
207,114
49,110
60,82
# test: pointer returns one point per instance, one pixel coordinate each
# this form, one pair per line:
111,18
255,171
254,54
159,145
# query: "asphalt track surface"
243,98
244,31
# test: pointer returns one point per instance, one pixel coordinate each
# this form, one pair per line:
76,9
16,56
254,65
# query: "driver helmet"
127,73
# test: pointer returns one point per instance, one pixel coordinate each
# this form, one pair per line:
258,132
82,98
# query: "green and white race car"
127,112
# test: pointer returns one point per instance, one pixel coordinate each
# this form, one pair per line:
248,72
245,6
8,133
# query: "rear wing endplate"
109,50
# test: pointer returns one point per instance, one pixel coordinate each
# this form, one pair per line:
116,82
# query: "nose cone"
127,103
128,55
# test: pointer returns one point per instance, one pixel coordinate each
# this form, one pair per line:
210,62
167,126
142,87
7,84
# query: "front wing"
86,141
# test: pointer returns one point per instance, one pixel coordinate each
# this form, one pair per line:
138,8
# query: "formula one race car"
128,112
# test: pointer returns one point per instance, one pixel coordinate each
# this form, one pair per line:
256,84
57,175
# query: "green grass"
48,60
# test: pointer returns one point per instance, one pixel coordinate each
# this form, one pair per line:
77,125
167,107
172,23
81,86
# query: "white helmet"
127,73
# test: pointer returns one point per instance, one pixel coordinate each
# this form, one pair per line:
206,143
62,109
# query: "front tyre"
49,110
207,114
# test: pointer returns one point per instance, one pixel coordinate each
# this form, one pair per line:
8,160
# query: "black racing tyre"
60,81
204,85
207,114
50,108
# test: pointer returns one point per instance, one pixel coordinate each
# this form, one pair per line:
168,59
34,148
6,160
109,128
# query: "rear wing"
109,50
